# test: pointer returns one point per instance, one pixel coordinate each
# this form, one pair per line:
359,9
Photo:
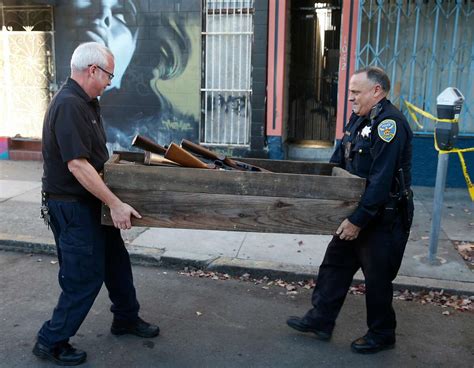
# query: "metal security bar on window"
227,80
425,46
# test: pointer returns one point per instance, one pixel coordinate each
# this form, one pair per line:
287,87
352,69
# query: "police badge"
387,130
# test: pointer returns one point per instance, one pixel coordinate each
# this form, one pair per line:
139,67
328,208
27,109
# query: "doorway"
315,29
27,68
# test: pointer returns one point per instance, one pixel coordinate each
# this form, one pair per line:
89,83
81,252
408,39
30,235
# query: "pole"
437,205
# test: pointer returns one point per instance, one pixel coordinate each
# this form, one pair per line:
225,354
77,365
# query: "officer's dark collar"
79,90
376,109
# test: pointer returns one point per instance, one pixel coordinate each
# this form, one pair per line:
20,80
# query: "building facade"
256,78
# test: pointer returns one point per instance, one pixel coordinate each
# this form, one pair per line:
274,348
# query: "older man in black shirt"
89,253
376,146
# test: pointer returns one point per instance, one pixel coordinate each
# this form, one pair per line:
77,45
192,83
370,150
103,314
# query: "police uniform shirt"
375,149
72,129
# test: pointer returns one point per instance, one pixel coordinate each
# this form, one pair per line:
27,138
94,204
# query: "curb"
27,247
238,267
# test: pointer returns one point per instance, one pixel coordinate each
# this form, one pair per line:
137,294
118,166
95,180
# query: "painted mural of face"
109,24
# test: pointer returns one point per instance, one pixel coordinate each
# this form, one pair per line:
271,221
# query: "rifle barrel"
147,144
237,165
200,150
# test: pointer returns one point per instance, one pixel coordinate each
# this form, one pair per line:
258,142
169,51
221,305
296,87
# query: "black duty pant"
378,251
89,254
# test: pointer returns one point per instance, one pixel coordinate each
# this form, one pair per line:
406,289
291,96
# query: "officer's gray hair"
89,53
376,75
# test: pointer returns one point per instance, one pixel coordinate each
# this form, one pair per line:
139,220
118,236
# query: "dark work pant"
378,251
89,254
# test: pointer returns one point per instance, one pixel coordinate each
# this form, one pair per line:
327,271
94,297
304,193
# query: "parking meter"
448,104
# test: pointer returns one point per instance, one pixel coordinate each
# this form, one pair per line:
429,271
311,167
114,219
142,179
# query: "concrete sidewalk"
291,256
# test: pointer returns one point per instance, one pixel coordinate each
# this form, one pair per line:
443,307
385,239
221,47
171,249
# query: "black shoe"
137,328
303,325
370,345
61,354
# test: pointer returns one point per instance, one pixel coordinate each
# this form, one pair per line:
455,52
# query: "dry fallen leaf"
245,276
465,247
466,250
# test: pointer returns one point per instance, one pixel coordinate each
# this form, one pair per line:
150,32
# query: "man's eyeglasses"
109,74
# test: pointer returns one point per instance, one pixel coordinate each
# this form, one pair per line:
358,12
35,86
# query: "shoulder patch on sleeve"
387,130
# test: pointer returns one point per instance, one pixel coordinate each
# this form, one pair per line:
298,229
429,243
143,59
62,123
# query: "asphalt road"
215,323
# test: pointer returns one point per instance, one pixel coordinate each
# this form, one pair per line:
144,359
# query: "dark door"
314,64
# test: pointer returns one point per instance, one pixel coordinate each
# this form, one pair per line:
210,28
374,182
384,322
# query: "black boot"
61,354
137,328
305,325
369,345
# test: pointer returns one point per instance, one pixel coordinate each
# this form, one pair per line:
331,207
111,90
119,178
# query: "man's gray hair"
89,53
376,75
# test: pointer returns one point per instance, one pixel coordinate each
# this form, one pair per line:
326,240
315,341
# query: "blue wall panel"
425,161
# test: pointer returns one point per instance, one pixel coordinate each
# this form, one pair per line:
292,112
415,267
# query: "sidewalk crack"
241,244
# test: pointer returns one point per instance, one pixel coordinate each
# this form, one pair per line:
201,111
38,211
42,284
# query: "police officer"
376,146
74,152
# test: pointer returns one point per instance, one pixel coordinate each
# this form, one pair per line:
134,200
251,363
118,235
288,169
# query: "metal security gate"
27,72
227,80
425,46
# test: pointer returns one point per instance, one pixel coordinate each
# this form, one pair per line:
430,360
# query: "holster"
407,209
399,206
390,211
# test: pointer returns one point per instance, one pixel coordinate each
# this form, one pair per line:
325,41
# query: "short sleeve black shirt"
72,129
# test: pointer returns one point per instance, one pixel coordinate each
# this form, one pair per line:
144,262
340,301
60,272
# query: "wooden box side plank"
141,178
276,166
238,213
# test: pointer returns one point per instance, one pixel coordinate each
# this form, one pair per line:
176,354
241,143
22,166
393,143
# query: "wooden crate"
297,197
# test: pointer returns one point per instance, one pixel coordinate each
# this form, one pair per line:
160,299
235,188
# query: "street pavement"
218,323
290,256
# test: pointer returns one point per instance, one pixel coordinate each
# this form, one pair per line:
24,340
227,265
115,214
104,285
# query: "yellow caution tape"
412,109
470,186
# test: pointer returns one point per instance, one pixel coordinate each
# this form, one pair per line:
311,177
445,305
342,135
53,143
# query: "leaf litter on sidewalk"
440,298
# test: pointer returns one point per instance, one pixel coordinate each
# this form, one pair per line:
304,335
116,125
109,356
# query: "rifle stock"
147,144
184,158
156,159
238,165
